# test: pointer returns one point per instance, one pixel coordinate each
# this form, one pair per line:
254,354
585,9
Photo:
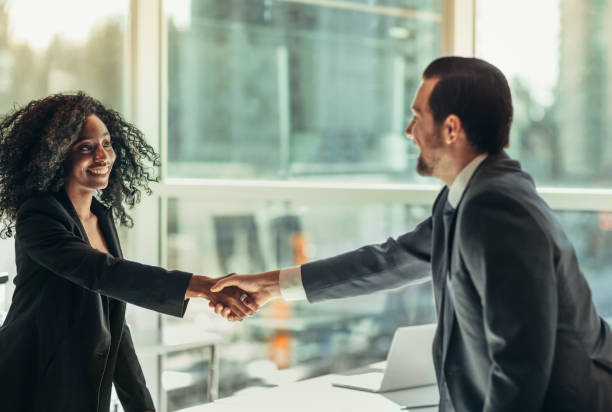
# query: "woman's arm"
43,234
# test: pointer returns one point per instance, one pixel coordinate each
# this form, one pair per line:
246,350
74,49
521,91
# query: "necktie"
446,317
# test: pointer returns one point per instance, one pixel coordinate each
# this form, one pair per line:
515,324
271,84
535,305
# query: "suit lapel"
105,222
64,200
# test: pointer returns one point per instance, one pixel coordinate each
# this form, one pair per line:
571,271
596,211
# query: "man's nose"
408,131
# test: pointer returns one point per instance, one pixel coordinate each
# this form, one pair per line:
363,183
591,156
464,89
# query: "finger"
250,303
248,307
226,312
227,276
219,308
224,283
238,309
211,304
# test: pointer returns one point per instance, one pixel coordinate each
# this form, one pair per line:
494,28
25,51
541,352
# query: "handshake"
235,297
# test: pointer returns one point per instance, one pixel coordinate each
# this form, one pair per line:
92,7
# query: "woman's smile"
99,171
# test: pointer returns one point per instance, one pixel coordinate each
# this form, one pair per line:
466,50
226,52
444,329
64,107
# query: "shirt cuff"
290,283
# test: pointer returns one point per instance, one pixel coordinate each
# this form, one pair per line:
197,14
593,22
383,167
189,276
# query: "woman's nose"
100,154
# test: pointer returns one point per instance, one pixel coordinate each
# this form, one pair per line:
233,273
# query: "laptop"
409,363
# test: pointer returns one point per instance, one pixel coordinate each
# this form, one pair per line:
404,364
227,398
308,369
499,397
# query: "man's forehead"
421,99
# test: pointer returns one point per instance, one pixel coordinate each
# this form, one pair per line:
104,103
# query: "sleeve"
290,283
511,261
394,263
46,240
128,379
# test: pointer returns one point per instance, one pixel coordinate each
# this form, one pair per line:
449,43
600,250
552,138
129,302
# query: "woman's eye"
108,144
85,148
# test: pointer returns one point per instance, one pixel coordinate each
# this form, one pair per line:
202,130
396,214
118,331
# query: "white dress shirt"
290,279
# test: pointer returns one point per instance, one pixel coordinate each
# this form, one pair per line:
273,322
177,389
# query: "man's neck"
455,164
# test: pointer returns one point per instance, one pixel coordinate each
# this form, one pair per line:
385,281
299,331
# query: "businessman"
517,328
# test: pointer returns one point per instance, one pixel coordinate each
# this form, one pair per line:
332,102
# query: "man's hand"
260,287
236,306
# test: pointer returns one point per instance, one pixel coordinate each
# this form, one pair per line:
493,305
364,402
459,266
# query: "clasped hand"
235,297
235,302
260,289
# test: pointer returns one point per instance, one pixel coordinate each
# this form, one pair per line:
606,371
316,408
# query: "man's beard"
426,167
423,167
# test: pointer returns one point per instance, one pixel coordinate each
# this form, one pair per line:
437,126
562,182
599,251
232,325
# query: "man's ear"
451,128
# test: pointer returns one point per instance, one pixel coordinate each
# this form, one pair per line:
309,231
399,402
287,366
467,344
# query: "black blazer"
517,328
65,341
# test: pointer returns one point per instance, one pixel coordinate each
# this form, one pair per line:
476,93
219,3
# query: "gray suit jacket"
517,328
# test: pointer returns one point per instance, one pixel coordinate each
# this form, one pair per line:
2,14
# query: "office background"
280,125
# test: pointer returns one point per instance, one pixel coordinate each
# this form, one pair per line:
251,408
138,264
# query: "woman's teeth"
98,171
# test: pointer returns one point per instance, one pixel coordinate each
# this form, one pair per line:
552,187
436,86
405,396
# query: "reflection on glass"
560,72
278,89
81,47
288,341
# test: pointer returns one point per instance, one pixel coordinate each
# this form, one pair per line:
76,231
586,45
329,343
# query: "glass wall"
560,71
45,50
284,89
293,90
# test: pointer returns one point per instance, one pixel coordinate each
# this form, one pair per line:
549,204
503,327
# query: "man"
517,328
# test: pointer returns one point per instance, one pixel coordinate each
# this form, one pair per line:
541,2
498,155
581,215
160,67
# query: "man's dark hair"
34,143
478,93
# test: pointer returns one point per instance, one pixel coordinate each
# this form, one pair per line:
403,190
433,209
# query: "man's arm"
388,265
394,263
508,252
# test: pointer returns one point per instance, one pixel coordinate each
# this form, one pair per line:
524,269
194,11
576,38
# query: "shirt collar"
463,178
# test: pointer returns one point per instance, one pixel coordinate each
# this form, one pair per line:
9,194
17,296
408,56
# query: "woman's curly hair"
36,139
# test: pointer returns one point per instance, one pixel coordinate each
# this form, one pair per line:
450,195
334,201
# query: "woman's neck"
81,201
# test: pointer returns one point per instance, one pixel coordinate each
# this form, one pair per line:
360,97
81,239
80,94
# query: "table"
319,394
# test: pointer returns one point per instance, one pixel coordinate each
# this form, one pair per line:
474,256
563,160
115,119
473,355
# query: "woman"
67,167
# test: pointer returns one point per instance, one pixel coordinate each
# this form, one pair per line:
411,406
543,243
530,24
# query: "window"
80,50
295,89
560,71
284,92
